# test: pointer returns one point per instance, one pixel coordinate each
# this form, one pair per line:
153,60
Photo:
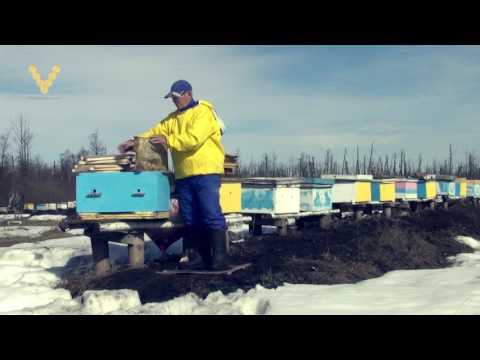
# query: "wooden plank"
205,272
98,168
107,166
106,162
140,225
125,216
136,250
99,158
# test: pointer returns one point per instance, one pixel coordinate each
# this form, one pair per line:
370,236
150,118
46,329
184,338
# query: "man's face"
182,100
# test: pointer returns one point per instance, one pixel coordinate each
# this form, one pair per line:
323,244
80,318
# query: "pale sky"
283,99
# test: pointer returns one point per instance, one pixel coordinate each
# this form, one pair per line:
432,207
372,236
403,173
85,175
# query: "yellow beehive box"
463,186
387,191
29,207
364,192
231,196
431,187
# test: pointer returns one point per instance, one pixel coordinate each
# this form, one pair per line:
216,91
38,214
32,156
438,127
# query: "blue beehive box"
122,192
446,188
376,191
316,194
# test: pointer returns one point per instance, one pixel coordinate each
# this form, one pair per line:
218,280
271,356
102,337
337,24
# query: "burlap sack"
150,156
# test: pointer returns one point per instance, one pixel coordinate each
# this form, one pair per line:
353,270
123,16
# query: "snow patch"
75,232
474,244
216,303
104,301
14,216
30,273
24,231
42,257
22,297
47,218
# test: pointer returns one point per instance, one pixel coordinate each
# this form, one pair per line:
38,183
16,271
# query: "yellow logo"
44,85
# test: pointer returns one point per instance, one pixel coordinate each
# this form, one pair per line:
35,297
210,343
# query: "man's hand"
162,140
126,146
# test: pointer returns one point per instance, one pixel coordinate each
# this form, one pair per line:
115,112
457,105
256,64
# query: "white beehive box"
271,195
351,189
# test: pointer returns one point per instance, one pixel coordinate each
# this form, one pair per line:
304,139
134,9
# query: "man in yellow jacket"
193,134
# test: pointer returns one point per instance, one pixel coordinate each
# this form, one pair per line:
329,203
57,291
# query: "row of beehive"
49,206
293,195
150,192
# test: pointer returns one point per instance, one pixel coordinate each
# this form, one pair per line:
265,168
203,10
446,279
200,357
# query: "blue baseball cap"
178,87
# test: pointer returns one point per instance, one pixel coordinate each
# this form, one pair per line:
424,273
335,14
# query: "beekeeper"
193,133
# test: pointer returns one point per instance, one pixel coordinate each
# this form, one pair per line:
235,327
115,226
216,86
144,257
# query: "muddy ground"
347,252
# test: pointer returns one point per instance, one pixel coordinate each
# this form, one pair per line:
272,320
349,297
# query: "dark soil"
347,252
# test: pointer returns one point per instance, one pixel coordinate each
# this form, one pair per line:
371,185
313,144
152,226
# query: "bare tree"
450,160
419,163
96,147
81,153
345,169
23,137
371,158
4,146
357,163
387,166
394,164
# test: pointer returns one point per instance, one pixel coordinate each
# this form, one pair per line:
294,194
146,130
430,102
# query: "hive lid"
272,181
402,179
426,177
349,177
231,179
384,181
318,181
445,177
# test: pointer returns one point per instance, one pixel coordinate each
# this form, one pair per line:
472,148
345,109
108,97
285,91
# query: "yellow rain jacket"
194,137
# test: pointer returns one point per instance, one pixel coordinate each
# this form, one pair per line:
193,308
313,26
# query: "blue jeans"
199,200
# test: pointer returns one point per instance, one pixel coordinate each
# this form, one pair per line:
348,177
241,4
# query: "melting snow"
24,231
47,218
30,274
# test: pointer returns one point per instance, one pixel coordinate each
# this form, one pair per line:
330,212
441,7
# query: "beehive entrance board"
271,195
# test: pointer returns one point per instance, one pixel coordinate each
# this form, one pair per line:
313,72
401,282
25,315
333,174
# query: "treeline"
29,177
34,180
390,165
